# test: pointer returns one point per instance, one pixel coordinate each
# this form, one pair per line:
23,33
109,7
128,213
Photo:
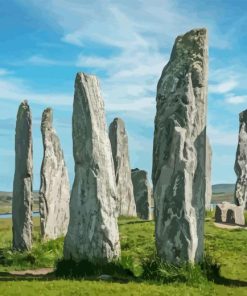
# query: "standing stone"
241,162
208,194
229,213
93,231
179,150
54,191
22,187
119,143
142,193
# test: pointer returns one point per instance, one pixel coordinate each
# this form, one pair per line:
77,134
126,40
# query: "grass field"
227,247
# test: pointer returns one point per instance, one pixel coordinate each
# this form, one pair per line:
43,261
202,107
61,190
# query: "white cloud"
223,87
43,61
132,106
17,90
236,100
40,60
4,72
140,33
94,61
222,136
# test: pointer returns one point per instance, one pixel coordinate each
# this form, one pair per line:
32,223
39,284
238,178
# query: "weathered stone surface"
208,193
93,230
119,143
22,187
54,194
179,150
241,162
229,213
142,193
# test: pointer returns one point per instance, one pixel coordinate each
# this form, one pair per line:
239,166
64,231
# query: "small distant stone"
142,193
229,213
54,194
120,151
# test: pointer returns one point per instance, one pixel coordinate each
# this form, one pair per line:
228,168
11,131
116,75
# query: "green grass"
43,254
228,247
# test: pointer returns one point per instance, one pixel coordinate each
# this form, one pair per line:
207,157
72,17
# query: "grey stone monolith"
179,150
241,163
22,187
142,193
208,194
93,230
119,143
54,194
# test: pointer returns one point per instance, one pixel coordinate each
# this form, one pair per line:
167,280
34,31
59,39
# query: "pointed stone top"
117,119
81,76
47,118
190,43
143,172
24,104
23,110
194,34
243,116
118,122
195,31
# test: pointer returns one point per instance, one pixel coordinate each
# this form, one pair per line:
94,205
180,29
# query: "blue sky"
126,44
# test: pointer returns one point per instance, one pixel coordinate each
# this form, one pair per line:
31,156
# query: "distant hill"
223,192
223,188
6,201
7,196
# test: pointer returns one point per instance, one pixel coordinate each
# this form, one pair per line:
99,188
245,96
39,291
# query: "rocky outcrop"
119,143
179,150
142,193
22,187
241,162
93,231
229,213
208,192
54,191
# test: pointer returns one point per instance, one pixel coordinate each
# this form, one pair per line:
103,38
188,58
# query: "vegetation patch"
85,268
193,274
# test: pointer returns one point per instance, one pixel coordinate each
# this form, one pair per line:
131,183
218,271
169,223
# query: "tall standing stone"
93,231
241,162
119,143
179,150
208,194
22,187
54,191
142,193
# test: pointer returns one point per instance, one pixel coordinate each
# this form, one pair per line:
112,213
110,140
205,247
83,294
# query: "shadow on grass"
154,271
229,282
135,222
85,268
7,277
